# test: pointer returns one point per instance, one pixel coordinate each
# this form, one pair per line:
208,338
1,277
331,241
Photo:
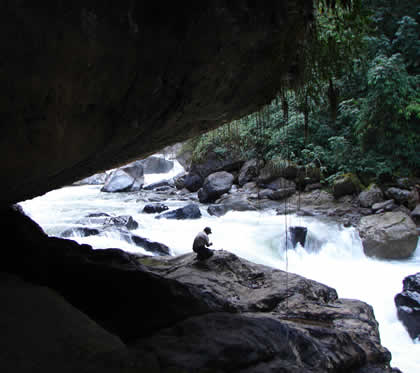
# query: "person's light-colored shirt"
201,240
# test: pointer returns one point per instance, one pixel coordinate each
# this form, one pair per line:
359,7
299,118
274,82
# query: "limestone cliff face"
89,85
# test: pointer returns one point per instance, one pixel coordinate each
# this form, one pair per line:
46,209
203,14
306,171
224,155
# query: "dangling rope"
286,227
260,158
261,119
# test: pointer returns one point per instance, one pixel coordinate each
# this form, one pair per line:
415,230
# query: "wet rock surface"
390,235
215,185
226,314
190,211
408,305
279,322
122,181
153,208
102,224
373,194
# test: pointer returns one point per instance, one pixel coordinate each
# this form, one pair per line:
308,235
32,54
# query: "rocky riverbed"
173,313
110,311
385,216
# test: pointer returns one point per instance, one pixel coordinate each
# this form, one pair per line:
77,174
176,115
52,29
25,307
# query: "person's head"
207,230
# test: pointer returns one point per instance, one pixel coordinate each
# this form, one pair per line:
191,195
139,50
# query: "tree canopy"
358,106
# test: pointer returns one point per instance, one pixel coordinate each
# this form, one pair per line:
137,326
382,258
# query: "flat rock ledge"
278,322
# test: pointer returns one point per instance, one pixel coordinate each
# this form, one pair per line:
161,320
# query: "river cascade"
332,255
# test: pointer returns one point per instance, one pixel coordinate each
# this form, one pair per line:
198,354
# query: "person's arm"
208,243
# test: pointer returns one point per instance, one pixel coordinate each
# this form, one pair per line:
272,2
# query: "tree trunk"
306,120
333,93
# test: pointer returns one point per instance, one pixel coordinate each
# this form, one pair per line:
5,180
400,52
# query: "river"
333,254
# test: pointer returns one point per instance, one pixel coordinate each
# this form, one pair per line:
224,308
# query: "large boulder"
408,198
371,195
347,184
190,211
156,165
277,322
389,235
216,163
248,172
193,182
281,194
319,198
267,174
408,305
127,179
214,186
118,181
281,183
234,202
274,169
279,189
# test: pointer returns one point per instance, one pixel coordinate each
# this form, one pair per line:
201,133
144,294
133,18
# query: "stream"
333,255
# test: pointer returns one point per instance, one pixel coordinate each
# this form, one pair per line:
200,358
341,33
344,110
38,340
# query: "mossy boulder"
346,184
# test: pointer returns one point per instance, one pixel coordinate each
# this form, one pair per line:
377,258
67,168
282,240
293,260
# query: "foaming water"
152,178
333,254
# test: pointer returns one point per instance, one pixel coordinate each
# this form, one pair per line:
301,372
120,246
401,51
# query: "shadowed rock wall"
90,85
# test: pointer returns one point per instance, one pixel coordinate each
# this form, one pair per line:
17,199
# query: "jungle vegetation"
357,108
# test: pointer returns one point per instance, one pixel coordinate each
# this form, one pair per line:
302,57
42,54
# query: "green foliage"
358,110
407,43
222,141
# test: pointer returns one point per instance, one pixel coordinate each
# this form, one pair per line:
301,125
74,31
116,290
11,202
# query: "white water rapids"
333,254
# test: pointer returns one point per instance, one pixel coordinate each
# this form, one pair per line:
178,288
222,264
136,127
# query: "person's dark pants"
203,253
